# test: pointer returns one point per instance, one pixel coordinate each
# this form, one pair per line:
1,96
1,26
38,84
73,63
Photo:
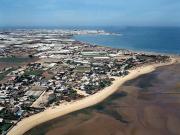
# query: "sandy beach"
52,113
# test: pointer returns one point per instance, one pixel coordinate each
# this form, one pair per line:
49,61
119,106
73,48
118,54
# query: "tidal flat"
149,104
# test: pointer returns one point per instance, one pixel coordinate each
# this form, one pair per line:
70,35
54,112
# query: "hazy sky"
89,12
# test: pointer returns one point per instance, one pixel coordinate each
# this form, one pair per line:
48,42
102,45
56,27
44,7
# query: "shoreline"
156,52
51,113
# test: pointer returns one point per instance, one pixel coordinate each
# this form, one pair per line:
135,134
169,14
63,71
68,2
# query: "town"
45,68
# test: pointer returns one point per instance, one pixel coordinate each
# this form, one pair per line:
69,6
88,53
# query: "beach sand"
52,113
146,105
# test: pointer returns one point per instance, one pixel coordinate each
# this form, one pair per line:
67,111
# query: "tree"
30,56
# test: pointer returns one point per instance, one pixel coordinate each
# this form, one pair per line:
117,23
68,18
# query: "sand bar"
52,113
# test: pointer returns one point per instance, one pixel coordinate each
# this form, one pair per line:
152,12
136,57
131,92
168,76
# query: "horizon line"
81,26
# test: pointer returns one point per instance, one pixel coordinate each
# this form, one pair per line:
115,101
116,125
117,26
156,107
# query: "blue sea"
153,39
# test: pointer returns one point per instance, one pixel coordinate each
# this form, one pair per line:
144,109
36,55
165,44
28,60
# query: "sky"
89,12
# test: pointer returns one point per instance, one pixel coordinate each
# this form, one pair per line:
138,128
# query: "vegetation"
3,75
4,126
7,114
82,69
14,59
33,72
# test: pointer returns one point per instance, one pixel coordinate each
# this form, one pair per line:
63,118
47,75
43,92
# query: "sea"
150,39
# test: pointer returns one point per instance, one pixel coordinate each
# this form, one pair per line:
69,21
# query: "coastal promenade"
63,109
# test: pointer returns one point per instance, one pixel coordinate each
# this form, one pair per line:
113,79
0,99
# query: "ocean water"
153,39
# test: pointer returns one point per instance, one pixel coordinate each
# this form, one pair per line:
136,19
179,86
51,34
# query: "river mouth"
149,104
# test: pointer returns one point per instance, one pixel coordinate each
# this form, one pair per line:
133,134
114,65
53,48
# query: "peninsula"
45,74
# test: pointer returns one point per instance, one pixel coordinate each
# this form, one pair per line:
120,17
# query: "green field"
15,59
82,69
33,72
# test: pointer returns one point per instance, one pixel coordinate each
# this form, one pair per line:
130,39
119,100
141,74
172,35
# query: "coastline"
65,108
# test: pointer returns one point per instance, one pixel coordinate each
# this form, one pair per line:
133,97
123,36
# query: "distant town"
45,68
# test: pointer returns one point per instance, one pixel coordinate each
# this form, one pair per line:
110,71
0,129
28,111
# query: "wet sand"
147,105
